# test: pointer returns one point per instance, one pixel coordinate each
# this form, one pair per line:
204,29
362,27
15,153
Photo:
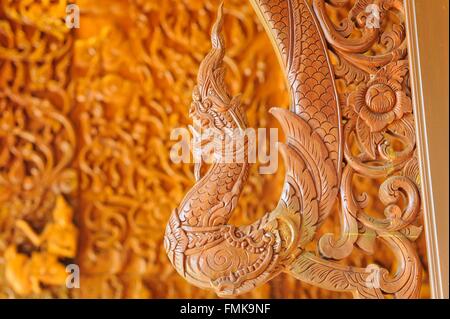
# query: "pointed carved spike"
312,150
216,35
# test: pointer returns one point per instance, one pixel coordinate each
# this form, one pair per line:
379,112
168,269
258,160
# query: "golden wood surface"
428,43
86,116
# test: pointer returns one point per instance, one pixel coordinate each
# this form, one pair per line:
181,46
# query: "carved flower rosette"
380,106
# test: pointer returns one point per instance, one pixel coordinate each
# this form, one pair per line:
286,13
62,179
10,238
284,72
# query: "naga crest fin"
211,73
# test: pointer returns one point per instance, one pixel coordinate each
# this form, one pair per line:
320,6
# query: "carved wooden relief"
38,144
210,253
85,174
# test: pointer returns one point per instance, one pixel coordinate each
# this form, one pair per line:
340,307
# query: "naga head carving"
212,106
215,114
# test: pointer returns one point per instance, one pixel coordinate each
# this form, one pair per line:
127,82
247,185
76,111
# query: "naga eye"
205,105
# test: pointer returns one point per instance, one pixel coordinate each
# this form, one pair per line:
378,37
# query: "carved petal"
365,138
376,121
395,73
404,127
357,98
403,104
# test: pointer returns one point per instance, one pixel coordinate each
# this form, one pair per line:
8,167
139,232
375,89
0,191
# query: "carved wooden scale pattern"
320,162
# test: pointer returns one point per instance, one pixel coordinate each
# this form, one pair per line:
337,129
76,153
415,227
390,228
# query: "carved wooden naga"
210,253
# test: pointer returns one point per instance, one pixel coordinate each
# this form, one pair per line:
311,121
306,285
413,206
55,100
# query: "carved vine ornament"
330,137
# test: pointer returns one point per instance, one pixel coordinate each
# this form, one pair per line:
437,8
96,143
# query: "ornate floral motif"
379,105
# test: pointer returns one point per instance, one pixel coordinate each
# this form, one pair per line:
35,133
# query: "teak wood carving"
330,138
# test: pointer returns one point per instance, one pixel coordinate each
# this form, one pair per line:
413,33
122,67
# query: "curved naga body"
210,253
201,245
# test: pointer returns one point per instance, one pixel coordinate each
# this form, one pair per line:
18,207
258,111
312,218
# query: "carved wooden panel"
85,122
